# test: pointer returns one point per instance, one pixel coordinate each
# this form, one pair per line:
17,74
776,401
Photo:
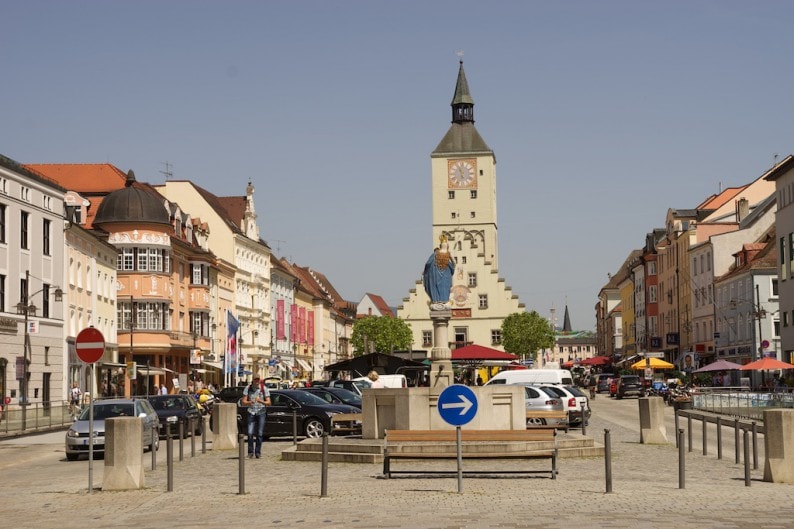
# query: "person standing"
163,389
256,397
74,398
374,380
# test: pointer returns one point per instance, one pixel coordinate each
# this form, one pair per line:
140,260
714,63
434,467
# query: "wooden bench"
546,415
534,443
346,424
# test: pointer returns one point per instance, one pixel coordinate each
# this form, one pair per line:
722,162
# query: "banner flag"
232,326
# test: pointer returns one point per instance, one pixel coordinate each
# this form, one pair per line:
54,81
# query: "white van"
533,376
388,381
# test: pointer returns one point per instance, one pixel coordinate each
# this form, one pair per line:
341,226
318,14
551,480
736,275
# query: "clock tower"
463,187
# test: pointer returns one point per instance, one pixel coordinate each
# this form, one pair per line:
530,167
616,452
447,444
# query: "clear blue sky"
602,115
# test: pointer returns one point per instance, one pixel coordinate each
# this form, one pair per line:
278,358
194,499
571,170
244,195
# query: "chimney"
742,209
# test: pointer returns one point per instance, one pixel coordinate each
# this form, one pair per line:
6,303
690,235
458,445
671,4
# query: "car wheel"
313,428
72,457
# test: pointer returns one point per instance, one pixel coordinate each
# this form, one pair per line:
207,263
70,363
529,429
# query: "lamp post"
27,308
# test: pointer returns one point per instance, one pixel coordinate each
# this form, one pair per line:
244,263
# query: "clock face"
462,173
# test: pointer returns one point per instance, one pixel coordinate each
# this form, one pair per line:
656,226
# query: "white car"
576,403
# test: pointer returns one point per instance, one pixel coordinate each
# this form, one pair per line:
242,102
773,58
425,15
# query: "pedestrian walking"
74,399
256,397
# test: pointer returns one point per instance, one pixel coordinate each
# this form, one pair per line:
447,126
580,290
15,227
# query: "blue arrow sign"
457,404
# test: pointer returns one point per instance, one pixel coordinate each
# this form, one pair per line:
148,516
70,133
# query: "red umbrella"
478,352
595,361
765,364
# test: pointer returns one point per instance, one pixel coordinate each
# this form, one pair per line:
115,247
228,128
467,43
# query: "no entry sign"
90,344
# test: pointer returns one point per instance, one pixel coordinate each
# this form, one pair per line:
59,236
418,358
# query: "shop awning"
151,370
216,365
304,365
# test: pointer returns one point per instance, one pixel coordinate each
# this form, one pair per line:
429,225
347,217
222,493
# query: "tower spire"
566,322
462,102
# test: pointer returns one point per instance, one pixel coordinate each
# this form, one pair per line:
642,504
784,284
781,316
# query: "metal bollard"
746,458
677,427
705,436
324,475
608,460
681,461
736,444
241,464
719,437
181,440
153,450
204,435
755,446
192,437
689,430
169,460
294,427
584,420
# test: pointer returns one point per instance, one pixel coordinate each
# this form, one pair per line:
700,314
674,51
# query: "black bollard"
746,458
677,427
324,476
169,459
689,430
608,460
755,446
736,444
241,465
719,437
181,440
681,460
192,437
584,420
153,449
705,435
204,435
294,427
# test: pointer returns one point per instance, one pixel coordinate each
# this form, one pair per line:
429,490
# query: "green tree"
526,333
380,334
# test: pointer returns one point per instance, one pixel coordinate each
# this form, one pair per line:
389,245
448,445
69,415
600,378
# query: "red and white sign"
90,345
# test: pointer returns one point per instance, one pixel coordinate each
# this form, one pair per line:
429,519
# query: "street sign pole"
457,405
90,346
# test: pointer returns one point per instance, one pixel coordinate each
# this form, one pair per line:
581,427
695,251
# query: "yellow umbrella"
654,363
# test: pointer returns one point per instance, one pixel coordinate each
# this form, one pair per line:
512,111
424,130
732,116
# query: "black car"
629,385
173,410
312,414
334,395
231,393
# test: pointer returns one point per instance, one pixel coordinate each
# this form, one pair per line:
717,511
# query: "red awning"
478,352
595,361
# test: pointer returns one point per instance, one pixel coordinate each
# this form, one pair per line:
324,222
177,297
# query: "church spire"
462,103
566,322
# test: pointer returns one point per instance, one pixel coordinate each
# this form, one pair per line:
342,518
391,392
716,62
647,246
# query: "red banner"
302,325
311,327
280,320
293,323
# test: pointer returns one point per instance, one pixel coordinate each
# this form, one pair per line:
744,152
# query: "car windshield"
305,397
361,385
575,391
168,403
631,380
348,397
108,410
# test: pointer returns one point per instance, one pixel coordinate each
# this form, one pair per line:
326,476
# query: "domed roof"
131,204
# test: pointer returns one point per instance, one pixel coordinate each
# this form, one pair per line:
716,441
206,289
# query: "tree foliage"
380,334
526,333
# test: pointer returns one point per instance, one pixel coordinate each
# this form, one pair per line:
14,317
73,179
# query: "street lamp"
29,309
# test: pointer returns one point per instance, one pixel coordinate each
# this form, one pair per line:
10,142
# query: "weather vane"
459,53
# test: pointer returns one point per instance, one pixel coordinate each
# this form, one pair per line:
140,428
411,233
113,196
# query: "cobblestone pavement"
39,488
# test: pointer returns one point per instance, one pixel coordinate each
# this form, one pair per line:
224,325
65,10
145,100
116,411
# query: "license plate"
95,441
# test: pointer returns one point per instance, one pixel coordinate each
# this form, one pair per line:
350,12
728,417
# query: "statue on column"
437,275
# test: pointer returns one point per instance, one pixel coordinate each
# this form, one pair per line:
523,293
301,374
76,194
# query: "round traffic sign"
457,404
89,345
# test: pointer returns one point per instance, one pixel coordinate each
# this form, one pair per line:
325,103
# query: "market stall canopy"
653,363
766,364
719,365
595,361
383,363
478,352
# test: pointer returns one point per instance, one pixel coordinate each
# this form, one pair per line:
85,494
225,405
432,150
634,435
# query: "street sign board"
89,345
457,404
653,355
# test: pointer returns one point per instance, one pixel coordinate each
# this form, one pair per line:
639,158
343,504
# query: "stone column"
225,426
123,454
652,428
779,446
441,374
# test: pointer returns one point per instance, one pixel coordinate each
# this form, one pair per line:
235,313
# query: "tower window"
450,195
474,192
473,214
427,338
454,215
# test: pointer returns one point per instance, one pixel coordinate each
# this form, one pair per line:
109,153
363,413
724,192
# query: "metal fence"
39,416
741,404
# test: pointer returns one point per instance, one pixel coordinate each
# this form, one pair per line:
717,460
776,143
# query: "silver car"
537,399
77,437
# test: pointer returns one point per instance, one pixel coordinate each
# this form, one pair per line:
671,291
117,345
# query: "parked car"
353,385
77,436
312,414
576,405
334,395
539,399
629,385
231,393
173,410
602,383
